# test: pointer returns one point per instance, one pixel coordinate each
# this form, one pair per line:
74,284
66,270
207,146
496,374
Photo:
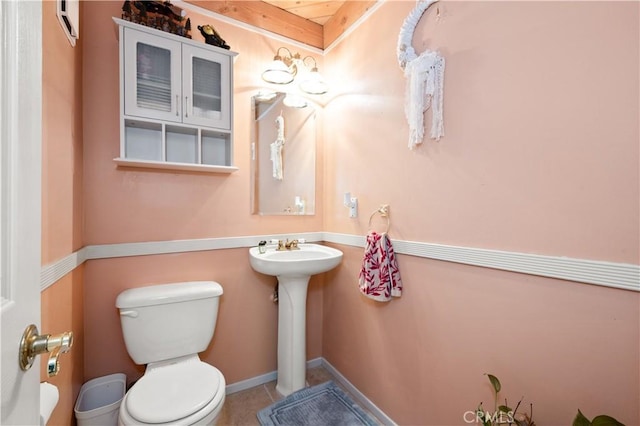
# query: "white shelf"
168,165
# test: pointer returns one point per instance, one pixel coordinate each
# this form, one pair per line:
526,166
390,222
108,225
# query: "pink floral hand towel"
379,277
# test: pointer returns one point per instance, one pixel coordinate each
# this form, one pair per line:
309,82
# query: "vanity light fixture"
312,82
281,70
285,69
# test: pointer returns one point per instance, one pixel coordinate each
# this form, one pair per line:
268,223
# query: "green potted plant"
503,414
602,420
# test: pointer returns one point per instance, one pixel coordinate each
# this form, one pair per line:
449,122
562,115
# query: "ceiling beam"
271,18
346,16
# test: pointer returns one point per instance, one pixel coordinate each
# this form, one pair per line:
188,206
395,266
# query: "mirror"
283,155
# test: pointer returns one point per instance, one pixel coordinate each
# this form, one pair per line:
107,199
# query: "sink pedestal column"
292,323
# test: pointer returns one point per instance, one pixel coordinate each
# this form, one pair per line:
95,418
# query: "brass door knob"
33,344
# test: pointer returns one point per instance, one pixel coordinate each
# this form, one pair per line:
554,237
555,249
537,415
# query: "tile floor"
241,408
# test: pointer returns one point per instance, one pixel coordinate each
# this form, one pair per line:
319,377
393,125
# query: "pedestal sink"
293,269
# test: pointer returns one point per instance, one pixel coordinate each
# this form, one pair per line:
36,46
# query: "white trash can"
99,400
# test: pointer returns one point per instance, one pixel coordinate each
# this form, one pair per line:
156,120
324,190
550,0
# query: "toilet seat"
182,391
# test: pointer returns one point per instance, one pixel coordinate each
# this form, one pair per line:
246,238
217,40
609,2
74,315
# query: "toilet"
165,327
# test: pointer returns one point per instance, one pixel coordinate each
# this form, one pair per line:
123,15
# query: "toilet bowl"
165,327
187,392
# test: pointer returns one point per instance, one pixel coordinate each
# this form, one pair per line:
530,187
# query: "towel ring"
383,211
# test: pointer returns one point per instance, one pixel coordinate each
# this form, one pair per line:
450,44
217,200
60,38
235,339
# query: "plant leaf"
581,420
504,409
494,382
480,413
604,420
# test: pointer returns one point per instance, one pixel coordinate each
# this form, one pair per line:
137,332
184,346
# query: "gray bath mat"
321,405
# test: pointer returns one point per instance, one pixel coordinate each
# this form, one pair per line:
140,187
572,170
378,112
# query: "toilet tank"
167,321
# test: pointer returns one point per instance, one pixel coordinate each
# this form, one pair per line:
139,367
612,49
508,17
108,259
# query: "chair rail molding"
623,276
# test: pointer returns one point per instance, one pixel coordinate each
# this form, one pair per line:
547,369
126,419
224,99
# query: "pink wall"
541,136
540,155
62,307
421,358
244,344
61,140
135,205
62,310
125,205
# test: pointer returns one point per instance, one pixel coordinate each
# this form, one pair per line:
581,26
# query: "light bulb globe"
277,73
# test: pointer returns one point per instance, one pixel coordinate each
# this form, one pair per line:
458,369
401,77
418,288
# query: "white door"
20,204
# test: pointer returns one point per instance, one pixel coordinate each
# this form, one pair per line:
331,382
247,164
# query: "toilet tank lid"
168,293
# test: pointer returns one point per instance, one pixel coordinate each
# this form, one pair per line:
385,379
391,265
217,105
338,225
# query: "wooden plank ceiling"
318,11
314,22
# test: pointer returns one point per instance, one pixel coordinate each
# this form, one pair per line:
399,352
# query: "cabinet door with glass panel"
152,76
170,81
205,87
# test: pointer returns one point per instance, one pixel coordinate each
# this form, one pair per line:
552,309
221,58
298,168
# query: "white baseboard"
264,378
251,383
359,396
313,363
316,362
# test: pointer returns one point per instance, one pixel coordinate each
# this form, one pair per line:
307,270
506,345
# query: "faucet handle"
294,245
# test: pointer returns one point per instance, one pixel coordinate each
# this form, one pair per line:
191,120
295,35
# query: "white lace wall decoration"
425,80
276,149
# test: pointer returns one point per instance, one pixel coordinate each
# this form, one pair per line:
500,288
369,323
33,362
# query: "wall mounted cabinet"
176,102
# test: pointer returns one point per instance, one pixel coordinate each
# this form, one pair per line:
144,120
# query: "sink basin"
311,259
293,269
